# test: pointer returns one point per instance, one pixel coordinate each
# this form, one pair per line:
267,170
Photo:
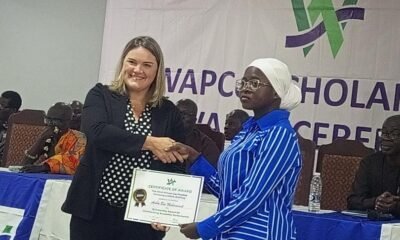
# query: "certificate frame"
163,197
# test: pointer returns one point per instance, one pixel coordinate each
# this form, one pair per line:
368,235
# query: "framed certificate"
167,198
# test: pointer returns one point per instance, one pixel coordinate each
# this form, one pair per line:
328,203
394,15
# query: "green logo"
171,181
331,21
7,229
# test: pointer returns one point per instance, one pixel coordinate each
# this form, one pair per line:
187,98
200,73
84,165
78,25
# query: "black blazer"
374,176
103,123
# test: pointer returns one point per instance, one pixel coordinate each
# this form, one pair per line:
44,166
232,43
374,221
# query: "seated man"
59,148
76,115
377,182
10,102
233,123
193,136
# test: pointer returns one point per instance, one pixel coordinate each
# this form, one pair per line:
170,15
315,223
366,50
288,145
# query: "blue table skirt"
336,226
24,191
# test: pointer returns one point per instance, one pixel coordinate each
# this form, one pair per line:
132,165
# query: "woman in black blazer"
126,124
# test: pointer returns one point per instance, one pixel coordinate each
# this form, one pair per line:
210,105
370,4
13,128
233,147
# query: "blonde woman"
128,124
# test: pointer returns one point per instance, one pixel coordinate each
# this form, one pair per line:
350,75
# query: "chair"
340,161
343,147
307,148
218,137
23,130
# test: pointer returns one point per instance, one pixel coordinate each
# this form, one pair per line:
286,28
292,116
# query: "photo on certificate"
163,197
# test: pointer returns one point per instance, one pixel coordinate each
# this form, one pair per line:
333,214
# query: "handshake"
168,151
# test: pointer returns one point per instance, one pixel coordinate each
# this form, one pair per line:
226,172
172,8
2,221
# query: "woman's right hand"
159,145
187,152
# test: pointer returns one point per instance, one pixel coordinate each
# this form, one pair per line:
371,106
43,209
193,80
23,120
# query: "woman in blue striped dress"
257,174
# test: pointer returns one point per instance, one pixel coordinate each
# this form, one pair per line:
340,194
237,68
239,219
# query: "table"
336,226
51,222
20,197
326,225
33,203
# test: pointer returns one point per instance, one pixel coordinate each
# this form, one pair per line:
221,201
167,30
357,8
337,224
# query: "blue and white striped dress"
255,182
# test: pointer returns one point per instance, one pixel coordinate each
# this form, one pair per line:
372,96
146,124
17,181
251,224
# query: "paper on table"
355,213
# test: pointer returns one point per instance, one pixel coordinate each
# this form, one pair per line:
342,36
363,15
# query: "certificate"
162,197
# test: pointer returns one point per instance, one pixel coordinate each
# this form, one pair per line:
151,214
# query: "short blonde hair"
157,88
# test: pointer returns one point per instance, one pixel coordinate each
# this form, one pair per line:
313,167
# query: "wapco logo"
333,23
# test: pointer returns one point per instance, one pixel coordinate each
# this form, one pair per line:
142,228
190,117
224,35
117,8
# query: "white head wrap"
281,80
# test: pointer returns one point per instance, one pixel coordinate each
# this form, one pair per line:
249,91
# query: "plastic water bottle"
314,200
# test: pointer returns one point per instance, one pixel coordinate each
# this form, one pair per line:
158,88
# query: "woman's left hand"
190,230
160,227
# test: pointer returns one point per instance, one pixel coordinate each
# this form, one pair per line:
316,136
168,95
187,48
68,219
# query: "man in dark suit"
377,182
193,136
233,123
10,102
77,108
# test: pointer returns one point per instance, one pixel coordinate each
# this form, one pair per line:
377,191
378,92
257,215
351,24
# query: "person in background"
76,115
59,148
129,125
10,102
233,123
193,136
377,182
257,175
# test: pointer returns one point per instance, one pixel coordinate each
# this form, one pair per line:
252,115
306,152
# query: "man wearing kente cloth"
59,148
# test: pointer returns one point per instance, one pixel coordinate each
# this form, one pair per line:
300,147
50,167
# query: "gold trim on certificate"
163,197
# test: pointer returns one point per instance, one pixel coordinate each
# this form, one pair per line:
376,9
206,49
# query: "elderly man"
59,148
193,136
233,123
377,182
10,102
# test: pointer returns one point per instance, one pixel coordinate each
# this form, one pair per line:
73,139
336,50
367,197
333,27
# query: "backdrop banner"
343,54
